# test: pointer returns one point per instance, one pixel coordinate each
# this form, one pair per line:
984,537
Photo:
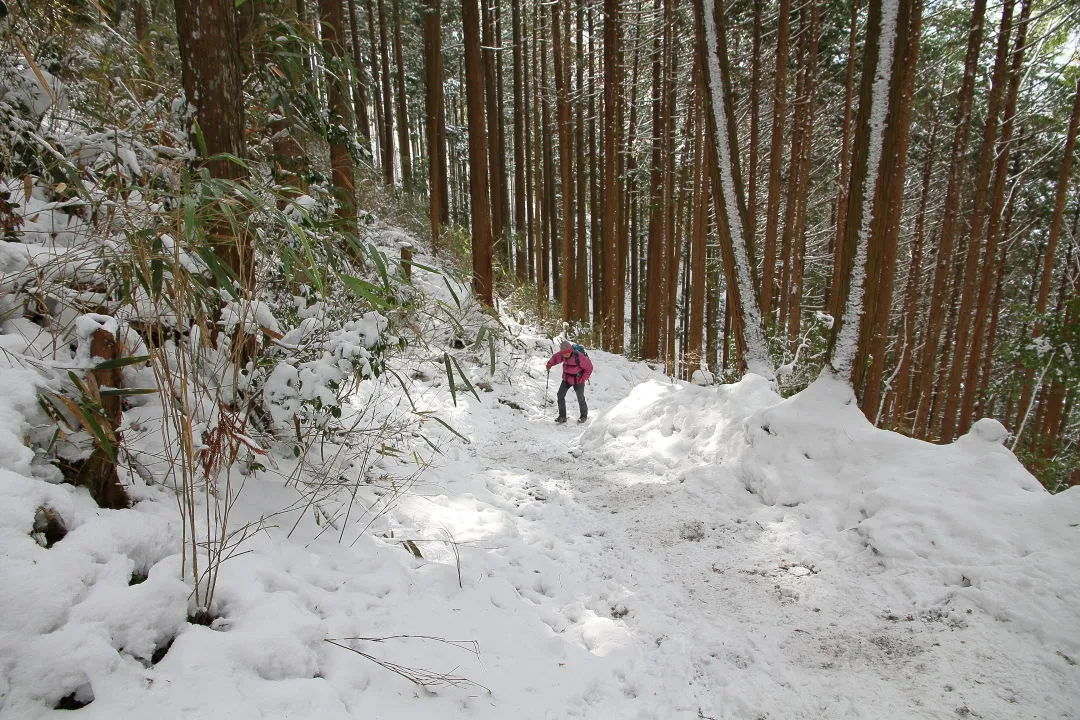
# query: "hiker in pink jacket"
576,371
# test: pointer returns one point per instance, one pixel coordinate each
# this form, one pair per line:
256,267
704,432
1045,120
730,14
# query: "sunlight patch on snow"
602,636
459,519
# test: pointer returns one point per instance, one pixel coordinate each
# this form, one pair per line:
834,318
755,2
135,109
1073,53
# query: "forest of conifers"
883,189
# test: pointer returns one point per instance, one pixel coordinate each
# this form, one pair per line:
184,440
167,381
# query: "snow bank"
963,525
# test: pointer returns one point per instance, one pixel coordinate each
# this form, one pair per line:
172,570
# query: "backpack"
578,350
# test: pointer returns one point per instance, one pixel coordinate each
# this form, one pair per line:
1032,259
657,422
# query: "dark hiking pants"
579,390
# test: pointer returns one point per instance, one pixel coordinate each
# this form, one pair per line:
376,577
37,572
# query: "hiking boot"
582,419
560,419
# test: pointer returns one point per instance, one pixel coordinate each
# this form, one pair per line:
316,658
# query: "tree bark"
776,150
387,99
340,128
874,342
755,122
363,122
656,269
436,119
1049,254
404,145
727,184
612,188
699,234
520,264
210,69
936,319
864,241
985,163
565,133
581,299
795,292
492,48
844,180
910,314
377,103
478,181
990,277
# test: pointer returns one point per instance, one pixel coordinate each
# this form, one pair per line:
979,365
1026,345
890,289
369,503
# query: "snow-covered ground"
688,553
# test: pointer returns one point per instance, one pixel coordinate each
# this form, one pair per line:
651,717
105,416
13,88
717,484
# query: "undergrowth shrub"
155,365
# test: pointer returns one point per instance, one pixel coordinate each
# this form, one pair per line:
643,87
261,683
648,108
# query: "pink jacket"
576,369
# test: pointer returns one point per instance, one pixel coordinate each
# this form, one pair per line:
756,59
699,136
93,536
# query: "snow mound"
962,523
663,425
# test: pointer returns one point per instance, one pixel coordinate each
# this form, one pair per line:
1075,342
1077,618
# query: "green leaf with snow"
365,290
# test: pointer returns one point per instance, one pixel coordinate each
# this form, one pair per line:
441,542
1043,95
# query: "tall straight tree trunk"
527,141
674,192
712,290
985,405
404,145
566,140
581,301
363,122
990,277
595,233
755,122
985,163
776,150
210,69
431,26
1053,411
882,264
656,266
290,168
699,235
492,48
387,100
551,234
899,419
864,241
727,184
798,259
342,175
938,407
794,189
1049,254
520,265
612,188
444,194
627,215
376,84
1060,193
936,319
142,33
478,181
844,180
540,221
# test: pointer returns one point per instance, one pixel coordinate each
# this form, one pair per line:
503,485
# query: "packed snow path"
668,589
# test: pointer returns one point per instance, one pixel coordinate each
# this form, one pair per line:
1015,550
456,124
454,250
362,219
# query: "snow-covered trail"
688,553
666,589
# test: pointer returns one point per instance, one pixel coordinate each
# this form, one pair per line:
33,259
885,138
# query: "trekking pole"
547,388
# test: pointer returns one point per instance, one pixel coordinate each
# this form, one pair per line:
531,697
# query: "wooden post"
406,260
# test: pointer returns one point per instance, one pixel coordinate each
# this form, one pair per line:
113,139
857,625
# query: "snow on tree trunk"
843,355
757,355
